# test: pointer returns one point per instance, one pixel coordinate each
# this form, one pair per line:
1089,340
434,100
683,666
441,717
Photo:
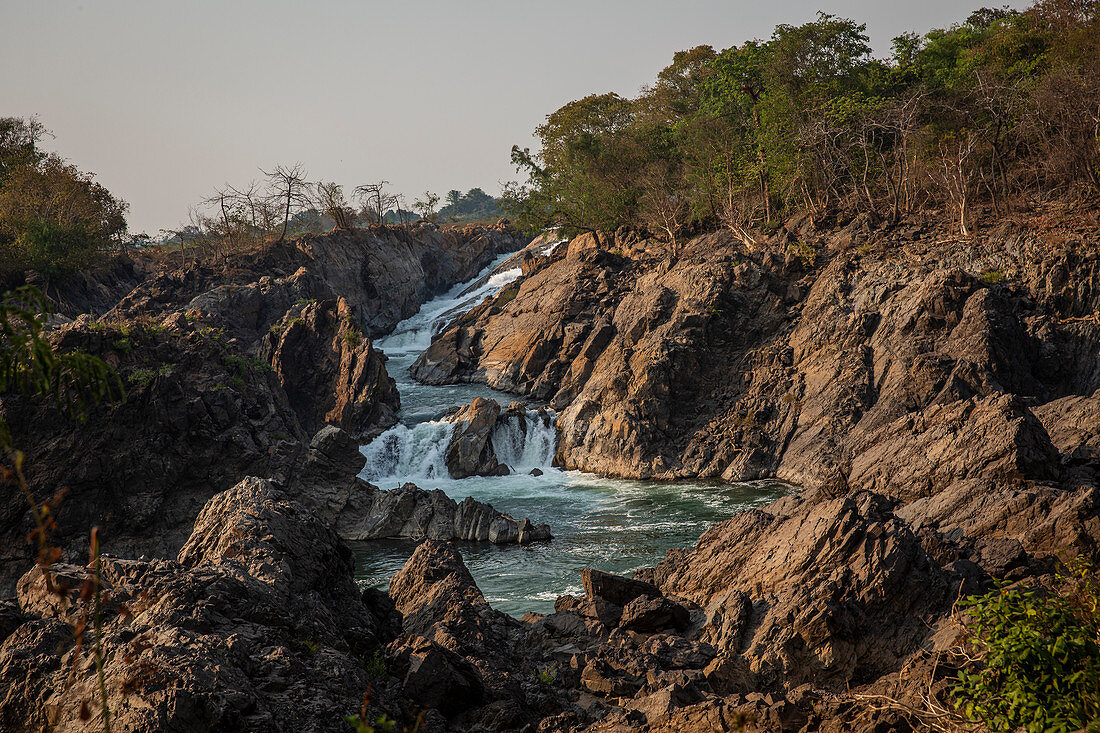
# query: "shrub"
352,335
1038,657
375,665
992,277
548,674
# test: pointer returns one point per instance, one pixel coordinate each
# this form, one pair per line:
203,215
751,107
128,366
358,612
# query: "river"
611,524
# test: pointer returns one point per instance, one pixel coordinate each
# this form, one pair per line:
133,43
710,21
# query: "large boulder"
470,450
257,626
834,593
330,370
410,512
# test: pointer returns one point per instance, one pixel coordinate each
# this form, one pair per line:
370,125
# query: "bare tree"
290,190
664,201
226,204
375,200
956,172
330,199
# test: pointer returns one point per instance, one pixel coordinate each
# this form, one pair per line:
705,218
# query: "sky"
166,101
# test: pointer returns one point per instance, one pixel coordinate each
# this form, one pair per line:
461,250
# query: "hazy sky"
166,100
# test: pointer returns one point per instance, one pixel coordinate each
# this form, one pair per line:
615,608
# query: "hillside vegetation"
990,112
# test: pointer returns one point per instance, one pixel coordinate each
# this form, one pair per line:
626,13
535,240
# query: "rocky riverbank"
229,372
935,398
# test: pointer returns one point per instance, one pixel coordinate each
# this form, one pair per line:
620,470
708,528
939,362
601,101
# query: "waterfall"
408,454
525,442
414,334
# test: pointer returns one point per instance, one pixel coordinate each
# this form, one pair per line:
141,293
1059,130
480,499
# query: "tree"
289,190
329,198
55,218
375,200
426,206
453,197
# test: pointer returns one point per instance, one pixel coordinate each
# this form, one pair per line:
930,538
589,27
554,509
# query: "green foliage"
507,295
144,376
54,218
548,674
375,665
379,724
473,205
244,365
808,120
30,366
1040,658
992,276
352,335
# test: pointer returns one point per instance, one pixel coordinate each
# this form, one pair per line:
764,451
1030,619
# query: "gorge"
768,400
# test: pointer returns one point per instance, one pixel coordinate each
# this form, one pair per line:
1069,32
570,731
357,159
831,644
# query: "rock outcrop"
330,371
473,448
196,418
214,393
412,513
256,626
470,450
898,364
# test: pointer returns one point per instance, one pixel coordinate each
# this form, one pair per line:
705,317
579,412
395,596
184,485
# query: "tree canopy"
1000,106
54,218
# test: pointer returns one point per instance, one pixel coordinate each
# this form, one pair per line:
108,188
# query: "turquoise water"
616,526
611,524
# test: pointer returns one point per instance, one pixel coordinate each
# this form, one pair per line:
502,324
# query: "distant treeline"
1004,105
56,220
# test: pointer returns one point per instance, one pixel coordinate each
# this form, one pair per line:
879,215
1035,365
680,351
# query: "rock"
838,590
435,588
614,588
434,677
647,614
368,513
601,679
11,618
330,370
503,530
730,362
197,418
259,615
529,533
202,410
470,451
535,472
440,601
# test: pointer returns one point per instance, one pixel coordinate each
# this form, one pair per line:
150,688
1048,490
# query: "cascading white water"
405,453
527,445
614,525
415,334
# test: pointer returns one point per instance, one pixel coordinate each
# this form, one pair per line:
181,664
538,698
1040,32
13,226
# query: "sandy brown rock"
470,450
257,626
836,592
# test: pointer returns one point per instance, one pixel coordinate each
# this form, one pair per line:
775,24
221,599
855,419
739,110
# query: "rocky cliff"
892,359
229,372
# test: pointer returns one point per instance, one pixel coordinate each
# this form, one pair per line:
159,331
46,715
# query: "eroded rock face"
257,625
832,592
737,363
412,513
196,419
470,451
330,371
202,408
